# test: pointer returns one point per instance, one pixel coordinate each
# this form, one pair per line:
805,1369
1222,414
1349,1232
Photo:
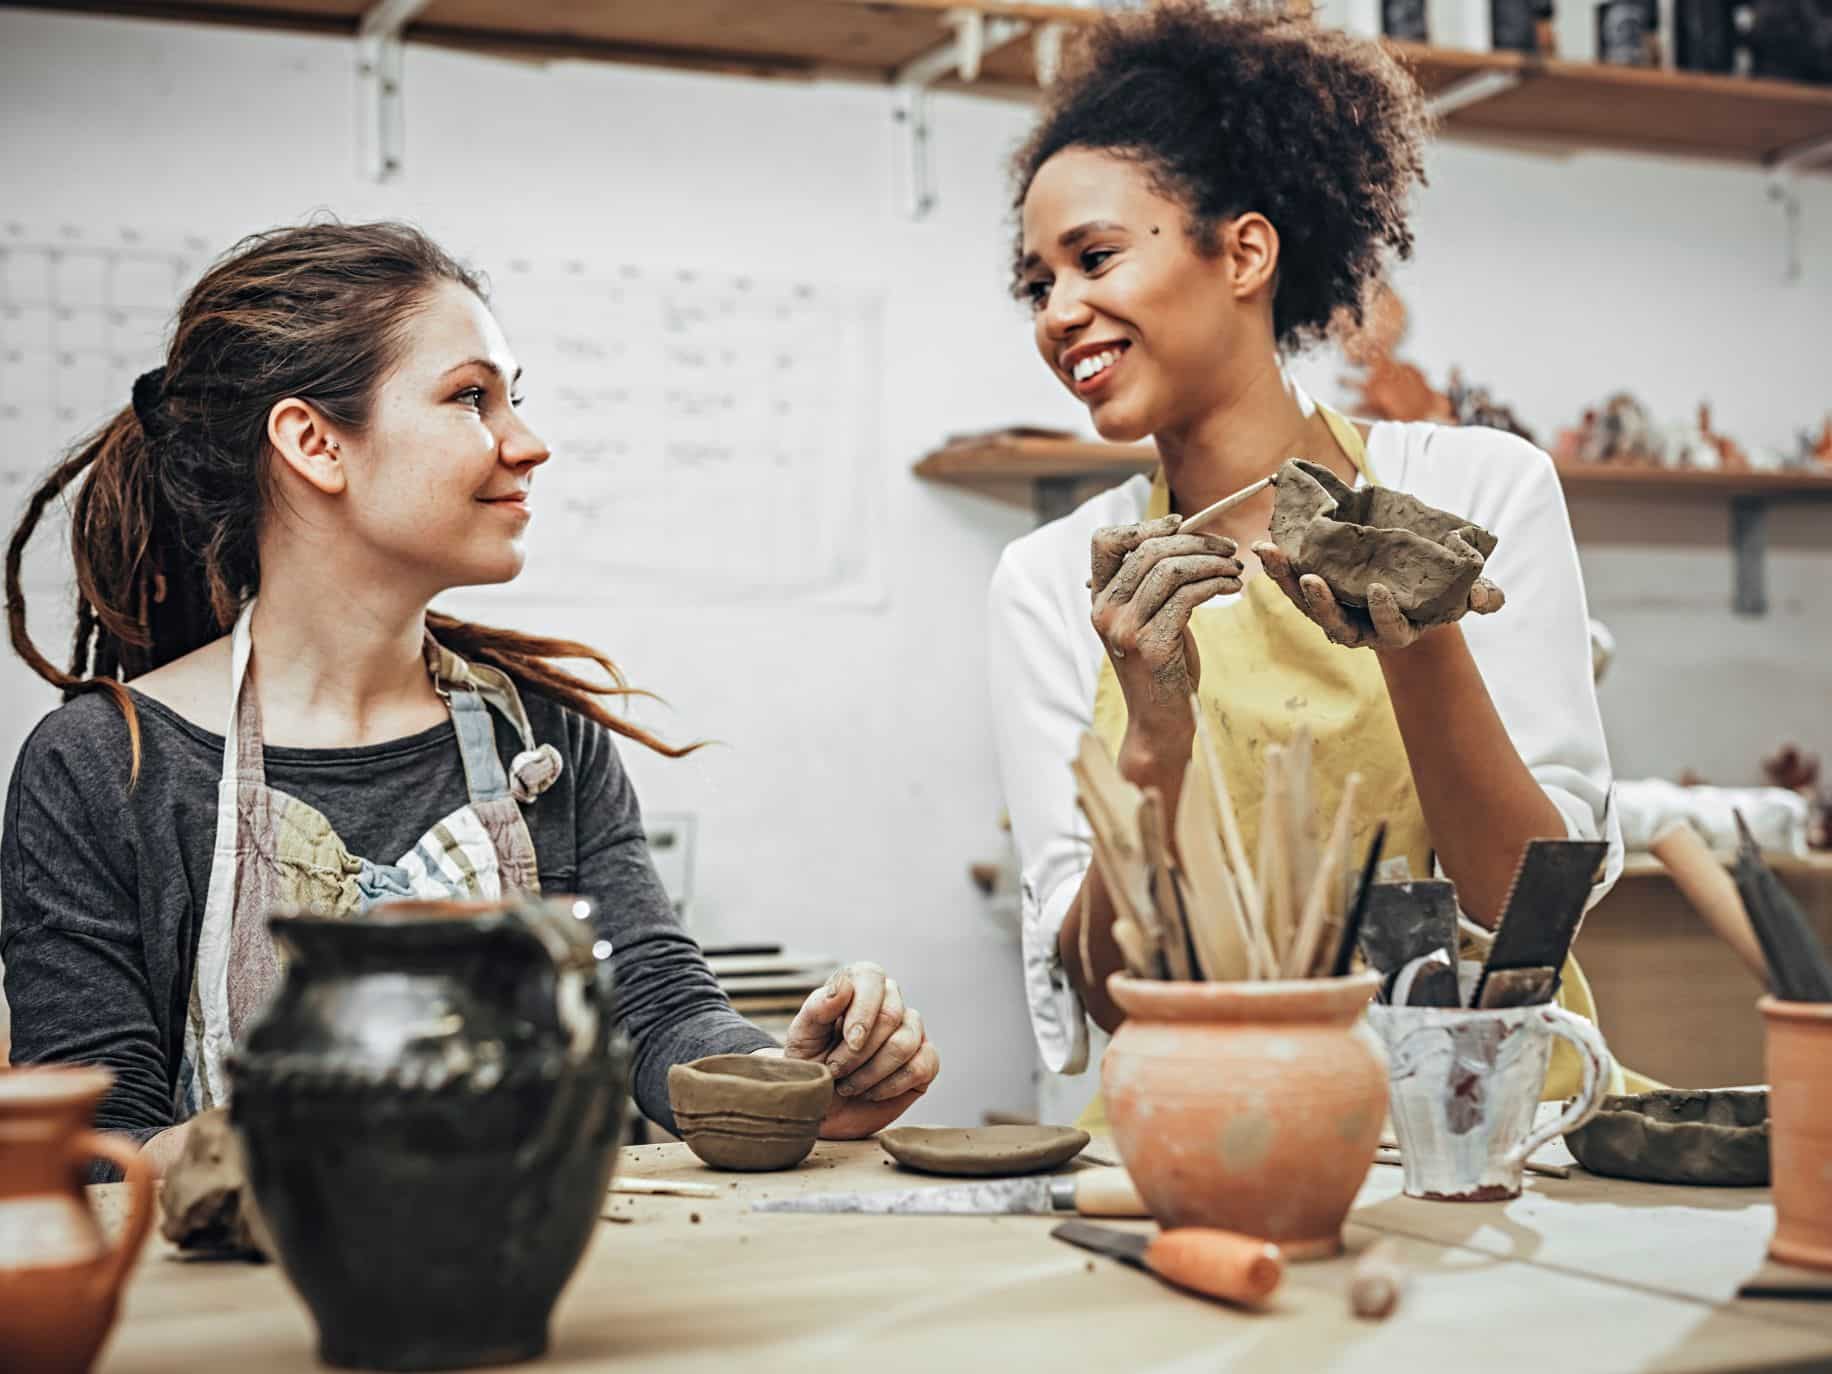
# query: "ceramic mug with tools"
1463,1086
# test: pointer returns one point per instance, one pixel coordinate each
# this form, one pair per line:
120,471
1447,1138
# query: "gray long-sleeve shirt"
102,885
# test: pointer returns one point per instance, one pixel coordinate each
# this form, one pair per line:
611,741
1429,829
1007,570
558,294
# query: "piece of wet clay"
983,1151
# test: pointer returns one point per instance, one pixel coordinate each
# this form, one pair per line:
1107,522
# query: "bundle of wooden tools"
1198,909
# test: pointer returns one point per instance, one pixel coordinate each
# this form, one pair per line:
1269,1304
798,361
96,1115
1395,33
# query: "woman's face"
439,482
1130,316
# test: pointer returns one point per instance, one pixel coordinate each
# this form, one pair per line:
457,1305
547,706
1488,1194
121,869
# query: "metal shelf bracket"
380,120
1471,90
974,36
1749,555
1784,170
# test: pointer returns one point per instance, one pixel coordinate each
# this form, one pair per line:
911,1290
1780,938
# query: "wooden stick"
1325,888
1207,515
1131,940
1223,941
1274,873
1252,903
1166,914
662,1187
1703,882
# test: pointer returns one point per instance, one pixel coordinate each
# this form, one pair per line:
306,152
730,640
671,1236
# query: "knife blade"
1092,1192
1214,1263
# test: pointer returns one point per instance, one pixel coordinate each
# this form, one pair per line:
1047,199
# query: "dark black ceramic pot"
430,1107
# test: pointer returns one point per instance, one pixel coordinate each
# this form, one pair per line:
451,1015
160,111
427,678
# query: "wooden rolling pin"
1703,881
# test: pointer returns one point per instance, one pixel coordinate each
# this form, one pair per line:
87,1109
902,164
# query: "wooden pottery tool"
1378,1281
1351,926
1223,942
1252,896
1703,882
1405,921
1797,967
1322,904
1091,1192
1216,1264
662,1187
1171,932
1207,516
1546,902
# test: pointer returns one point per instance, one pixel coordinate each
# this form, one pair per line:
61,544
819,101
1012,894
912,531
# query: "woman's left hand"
1382,627
880,1055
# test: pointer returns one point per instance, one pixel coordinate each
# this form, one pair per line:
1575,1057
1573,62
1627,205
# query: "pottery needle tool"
1797,967
1378,1280
1213,1263
1351,926
1546,902
1207,516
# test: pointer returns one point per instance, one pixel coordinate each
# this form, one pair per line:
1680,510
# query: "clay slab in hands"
750,1112
982,1151
1354,537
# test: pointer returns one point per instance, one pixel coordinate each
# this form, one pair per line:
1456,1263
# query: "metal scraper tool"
1543,909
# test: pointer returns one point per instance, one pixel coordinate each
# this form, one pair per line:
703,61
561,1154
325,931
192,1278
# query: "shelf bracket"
380,118
1749,555
1471,90
1784,170
974,36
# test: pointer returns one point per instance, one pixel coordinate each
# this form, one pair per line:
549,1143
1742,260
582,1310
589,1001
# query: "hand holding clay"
1383,626
876,1046
1147,580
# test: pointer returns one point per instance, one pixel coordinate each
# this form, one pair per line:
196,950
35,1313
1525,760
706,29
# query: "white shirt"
1534,656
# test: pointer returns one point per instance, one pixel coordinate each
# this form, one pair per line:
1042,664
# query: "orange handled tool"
1216,1264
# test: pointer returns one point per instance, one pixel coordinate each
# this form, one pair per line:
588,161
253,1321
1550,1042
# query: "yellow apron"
1266,666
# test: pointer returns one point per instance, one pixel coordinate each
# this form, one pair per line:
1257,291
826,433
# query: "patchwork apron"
276,852
1266,667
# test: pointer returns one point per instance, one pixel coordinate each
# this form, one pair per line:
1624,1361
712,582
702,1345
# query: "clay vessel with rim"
1799,1055
750,1112
1251,1106
60,1280
982,1151
1353,537
1711,1137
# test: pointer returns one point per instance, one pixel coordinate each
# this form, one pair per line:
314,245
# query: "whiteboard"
714,436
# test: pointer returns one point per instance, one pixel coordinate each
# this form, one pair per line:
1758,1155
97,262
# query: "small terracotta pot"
1254,1106
750,1112
60,1280
1800,1129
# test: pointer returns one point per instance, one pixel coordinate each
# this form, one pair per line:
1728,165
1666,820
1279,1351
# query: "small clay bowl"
1677,1135
982,1151
749,1112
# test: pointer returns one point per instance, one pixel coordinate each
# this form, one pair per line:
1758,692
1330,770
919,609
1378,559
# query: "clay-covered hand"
875,1045
1382,626
1147,580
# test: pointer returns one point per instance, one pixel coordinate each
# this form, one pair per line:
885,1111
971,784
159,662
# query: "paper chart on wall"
714,436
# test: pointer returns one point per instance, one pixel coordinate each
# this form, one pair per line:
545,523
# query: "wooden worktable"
1577,1274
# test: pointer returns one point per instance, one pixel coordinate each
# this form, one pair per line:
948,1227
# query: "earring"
333,445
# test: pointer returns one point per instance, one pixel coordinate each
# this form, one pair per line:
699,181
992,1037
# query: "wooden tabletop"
1576,1274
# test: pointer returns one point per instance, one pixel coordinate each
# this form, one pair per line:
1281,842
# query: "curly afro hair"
1321,132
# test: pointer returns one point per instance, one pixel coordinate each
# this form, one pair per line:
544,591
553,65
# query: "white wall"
859,780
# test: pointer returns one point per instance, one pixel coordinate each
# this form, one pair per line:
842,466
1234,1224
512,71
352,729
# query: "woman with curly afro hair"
1204,195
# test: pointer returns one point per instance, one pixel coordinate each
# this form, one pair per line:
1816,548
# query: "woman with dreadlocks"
332,441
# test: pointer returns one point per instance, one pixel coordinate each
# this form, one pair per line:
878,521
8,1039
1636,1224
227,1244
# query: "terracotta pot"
59,1279
1800,1129
1255,1106
430,1108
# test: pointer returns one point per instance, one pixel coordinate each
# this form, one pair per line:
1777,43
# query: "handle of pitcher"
137,1174
1595,1063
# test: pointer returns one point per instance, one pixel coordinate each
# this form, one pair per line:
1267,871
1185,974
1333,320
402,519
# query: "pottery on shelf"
1712,1137
750,1112
982,1151
1252,1106
1799,1059
60,1279
1355,537
430,1108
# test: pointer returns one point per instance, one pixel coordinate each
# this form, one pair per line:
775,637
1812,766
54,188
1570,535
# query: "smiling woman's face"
1130,315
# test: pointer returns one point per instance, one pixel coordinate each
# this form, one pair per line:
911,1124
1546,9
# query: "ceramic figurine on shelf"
1390,389
1476,405
1621,430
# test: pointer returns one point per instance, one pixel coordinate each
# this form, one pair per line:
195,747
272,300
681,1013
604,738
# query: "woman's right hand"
1147,580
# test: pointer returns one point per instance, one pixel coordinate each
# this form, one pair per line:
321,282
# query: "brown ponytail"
163,526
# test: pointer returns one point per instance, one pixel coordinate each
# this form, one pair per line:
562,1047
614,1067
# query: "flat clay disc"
982,1151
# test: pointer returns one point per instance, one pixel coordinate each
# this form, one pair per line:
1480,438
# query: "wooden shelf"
1000,460
1576,104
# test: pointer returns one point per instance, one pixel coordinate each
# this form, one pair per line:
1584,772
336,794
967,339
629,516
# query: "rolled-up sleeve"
1042,701
1534,654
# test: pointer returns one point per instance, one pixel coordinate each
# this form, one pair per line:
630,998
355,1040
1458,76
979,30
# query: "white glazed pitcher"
1463,1087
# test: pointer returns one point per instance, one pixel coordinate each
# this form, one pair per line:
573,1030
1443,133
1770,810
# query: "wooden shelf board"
1030,458
1580,104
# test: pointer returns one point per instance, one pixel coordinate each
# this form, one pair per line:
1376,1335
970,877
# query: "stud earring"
333,445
